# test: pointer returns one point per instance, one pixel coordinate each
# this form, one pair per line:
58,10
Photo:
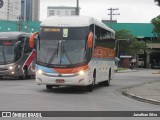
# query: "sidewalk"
148,92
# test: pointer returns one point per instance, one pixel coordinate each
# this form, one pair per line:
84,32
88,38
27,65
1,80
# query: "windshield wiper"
65,53
53,55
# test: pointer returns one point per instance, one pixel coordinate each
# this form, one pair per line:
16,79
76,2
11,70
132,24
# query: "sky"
131,11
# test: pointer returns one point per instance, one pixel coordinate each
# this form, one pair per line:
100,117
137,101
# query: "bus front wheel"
25,74
107,82
90,87
49,87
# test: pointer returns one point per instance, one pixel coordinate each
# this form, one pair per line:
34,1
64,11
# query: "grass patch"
120,68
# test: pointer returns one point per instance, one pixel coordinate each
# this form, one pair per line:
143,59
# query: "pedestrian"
132,65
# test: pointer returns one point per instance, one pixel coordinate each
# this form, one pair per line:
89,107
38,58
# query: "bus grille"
2,69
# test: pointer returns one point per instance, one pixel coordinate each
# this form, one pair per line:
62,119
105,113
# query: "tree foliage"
157,2
156,23
131,47
136,46
124,39
124,34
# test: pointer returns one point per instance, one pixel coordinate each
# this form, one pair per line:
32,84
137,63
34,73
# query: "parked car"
155,65
140,62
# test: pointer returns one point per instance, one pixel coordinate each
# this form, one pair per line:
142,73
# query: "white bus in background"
74,51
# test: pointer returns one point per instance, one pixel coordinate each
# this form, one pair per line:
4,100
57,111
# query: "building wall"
61,11
10,10
6,26
35,10
30,10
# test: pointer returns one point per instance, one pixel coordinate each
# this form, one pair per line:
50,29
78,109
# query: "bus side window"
88,54
27,48
18,49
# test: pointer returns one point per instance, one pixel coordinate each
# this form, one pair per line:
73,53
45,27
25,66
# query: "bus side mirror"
31,40
90,40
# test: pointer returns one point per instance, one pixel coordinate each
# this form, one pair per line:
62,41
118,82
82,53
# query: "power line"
77,8
111,14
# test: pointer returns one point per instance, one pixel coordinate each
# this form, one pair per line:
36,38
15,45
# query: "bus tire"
25,74
49,87
107,82
90,87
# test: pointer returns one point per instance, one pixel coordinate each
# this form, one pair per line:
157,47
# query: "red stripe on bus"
30,59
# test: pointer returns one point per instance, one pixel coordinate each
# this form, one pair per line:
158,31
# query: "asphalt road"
25,95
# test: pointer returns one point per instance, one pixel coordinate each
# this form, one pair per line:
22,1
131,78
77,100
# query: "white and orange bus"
74,51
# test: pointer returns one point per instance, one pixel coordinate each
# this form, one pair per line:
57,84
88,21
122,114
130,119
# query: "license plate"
60,81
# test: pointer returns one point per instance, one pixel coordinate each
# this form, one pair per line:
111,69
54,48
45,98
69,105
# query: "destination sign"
6,43
51,29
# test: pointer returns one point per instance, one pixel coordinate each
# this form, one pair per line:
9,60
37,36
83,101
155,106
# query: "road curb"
139,98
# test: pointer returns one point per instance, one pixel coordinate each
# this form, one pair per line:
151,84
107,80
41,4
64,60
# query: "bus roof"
72,21
12,35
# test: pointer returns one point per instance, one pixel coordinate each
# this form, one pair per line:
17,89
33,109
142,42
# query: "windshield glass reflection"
61,52
6,52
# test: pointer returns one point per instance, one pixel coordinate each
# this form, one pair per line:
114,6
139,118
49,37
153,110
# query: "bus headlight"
10,68
40,71
81,72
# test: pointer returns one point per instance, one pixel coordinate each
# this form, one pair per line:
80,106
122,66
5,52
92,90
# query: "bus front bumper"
9,74
64,79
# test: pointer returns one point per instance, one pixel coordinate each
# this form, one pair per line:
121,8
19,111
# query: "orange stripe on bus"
71,70
101,52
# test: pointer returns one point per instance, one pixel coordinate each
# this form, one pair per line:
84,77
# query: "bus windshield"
59,47
6,52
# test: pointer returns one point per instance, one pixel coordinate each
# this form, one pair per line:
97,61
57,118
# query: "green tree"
132,47
124,34
136,47
156,23
123,38
158,2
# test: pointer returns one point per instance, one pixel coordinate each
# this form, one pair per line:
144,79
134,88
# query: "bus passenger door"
30,57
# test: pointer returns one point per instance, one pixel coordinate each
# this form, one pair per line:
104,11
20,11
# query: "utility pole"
111,14
77,8
20,23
